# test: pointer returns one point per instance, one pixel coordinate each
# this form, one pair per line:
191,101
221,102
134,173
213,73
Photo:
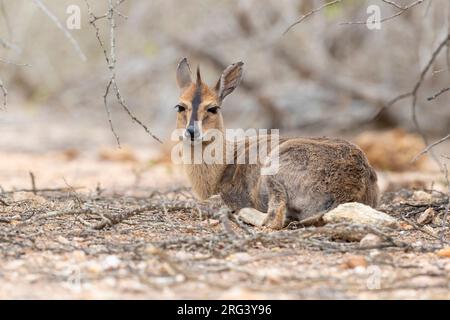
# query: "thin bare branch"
395,15
390,103
413,93
5,94
392,3
59,25
108,112
14,63
429,147
110,58
40,190
438,94
328,4
9,45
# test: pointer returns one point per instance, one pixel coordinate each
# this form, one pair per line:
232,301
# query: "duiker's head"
198,109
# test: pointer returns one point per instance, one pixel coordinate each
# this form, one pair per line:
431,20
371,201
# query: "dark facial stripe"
196,100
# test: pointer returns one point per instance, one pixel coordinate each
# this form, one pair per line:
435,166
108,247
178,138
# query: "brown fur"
315,174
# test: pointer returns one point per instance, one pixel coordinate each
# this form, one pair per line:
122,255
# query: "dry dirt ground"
123,224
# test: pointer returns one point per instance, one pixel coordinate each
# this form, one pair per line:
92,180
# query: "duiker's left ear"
229,80
184,78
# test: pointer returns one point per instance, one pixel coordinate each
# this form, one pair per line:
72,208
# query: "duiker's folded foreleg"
275,218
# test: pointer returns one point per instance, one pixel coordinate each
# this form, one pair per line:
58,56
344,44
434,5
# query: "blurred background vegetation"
321,77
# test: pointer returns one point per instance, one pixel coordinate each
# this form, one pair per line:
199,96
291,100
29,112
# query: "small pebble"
426,216
370,240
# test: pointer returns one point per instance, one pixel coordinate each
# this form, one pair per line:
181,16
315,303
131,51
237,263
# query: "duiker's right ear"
184,74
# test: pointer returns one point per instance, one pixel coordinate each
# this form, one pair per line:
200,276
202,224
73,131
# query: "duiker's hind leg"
276,214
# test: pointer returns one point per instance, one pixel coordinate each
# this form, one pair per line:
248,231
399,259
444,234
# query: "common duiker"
314,174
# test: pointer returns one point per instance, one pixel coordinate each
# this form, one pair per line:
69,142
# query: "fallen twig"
33,182
41,190
224,216
109,220
447,208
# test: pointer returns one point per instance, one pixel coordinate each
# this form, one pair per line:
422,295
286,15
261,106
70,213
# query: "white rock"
252,216
370,240
358,213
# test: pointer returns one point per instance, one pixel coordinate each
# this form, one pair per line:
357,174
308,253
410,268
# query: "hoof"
273,224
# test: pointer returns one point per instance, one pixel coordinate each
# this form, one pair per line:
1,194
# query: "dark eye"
213,110
180,108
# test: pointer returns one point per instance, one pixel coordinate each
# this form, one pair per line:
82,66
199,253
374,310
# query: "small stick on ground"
447,208
4,203
42,190
33,182
225,220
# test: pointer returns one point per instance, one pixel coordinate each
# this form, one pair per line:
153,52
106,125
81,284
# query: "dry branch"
438,93
5,94
311,13
59,25
355,89
447,208
414,95
40,190
392,3
400,12
2,86
109,220
429,147
110,58
4,203
225,215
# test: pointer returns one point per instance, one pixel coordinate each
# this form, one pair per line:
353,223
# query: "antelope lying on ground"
314,174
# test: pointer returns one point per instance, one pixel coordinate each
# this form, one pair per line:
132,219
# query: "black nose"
191,132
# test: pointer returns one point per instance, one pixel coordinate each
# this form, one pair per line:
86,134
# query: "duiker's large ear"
229,80
184,78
